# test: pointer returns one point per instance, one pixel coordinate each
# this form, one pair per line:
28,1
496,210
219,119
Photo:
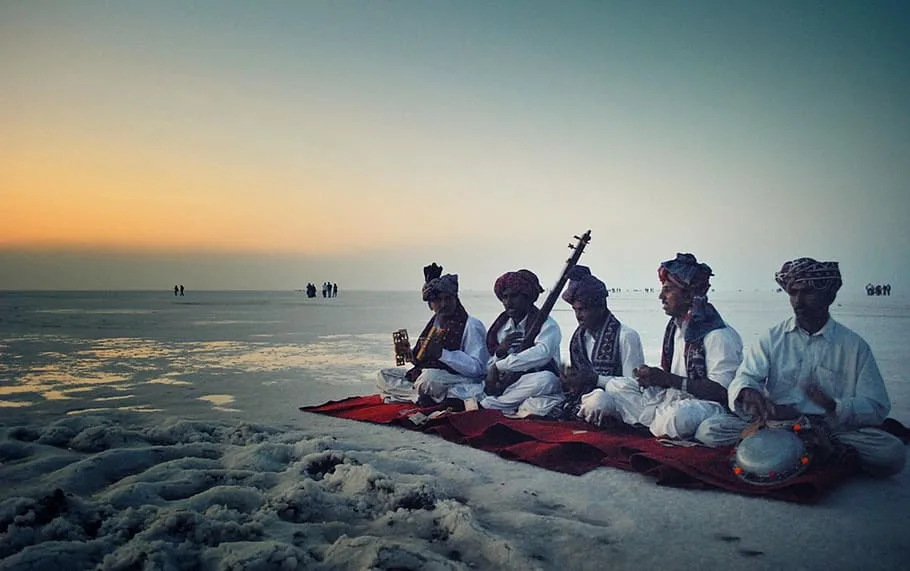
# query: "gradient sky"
264,145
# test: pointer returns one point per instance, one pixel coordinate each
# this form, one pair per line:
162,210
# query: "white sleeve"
633,356
869,405
471,361
753,372
723,355
630,352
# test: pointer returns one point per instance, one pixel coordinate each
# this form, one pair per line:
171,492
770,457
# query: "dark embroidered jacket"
695,360
606,355
607,360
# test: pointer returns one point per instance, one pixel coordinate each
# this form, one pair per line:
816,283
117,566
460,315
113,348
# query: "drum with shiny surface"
770,456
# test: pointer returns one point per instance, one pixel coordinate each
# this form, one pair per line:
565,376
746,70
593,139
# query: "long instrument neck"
534,328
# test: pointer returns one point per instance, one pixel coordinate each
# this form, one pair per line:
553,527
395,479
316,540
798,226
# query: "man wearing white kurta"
600,350
811,364
450,357
523,382
699,358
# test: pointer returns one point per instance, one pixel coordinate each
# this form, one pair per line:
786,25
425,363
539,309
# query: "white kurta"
669,412
786,360
469,364
533,393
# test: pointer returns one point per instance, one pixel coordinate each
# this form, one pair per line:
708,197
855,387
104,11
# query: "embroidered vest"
696,363
606,359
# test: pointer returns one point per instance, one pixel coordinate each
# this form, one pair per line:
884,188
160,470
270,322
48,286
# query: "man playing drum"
812,365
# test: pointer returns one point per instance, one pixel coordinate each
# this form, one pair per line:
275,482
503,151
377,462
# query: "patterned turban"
686,272
819,275
443,284
522,281
584,287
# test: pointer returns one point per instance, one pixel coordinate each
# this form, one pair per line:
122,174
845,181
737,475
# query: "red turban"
522,281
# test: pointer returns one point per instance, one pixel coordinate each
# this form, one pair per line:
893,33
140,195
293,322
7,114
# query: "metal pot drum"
770,456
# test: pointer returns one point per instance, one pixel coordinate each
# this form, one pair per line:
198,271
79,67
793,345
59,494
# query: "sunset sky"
264,145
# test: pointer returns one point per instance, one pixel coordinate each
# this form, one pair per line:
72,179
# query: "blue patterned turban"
443,284
522,281
584,287
818,275
686,272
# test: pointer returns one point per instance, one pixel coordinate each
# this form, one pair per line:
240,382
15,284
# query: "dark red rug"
575,447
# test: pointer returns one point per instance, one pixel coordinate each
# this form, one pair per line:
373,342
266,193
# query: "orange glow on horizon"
147,200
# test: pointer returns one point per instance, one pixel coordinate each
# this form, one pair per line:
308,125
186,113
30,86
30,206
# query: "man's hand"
513,339
754,404
575,381
433,349
820,397
653,377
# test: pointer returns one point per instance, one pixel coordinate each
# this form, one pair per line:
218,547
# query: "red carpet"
575,447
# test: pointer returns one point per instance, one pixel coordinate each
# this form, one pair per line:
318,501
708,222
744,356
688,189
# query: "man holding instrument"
450,356
699,359
522,381
812,365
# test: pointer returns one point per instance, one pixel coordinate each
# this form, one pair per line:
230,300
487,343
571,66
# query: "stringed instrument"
504,380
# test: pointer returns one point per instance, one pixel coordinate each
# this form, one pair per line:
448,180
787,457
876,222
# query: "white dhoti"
880,453
666,412
437,384
532,394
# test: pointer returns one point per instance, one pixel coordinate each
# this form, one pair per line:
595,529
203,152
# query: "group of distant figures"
878,289
178,289
329,289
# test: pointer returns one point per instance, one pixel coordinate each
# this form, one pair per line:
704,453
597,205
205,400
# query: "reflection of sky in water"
140,408
219,402
59,368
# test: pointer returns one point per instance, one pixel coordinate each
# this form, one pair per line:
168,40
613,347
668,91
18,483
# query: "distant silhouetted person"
334,290
176,289
886,289
878,290
181,289
870,289
310,290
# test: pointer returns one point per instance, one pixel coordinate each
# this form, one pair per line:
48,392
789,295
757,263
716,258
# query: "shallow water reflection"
40,368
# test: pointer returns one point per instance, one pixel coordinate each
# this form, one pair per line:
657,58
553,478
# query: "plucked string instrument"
502,381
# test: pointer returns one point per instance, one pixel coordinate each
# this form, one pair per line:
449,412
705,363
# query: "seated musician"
699,359
450,356
522,381
811,365
601,347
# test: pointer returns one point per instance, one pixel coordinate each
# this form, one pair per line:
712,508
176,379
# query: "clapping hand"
820,397
754,404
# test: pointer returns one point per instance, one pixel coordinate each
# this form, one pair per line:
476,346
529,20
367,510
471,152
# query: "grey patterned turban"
443,284
818,275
